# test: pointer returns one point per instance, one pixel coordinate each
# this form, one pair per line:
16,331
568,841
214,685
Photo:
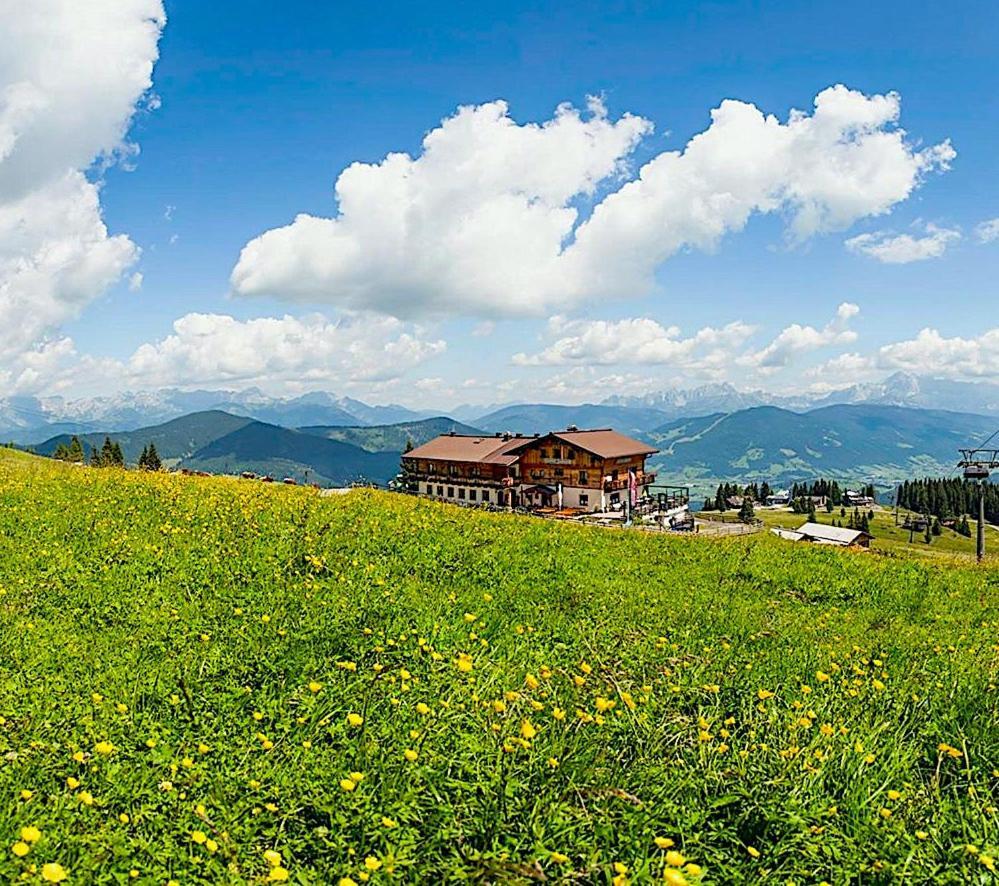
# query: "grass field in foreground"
214,681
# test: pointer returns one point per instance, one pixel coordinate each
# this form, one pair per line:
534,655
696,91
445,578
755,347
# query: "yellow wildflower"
53,872
30,834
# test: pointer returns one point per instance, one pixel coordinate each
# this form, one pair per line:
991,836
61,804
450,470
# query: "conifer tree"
75,450
153,461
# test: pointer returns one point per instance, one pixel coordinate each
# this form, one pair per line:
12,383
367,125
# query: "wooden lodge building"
589,470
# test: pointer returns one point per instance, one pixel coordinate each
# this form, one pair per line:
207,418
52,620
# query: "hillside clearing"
197,672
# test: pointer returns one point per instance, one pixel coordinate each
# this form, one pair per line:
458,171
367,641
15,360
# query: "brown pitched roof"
457,447
602,442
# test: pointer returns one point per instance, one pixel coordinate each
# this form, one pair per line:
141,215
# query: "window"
559,472
461,492
485,495
584,500
615,498
584,478
471,495
544,453
440,490
430,489
594,460
450,492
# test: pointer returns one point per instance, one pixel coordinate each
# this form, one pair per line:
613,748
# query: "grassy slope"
892,539
174,439
265,448
392,438
856,443
208,605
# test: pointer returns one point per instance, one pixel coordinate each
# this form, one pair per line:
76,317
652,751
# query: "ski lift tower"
977,464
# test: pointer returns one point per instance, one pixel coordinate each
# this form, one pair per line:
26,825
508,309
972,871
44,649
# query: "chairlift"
976,472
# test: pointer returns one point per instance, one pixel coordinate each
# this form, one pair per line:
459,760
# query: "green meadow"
218,681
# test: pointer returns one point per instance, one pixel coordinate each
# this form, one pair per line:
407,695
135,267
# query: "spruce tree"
75,451
746,512
153,462
143,457
107,453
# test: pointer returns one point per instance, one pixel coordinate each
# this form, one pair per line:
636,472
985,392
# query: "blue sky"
259,107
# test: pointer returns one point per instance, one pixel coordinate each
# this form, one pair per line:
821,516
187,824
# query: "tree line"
803,498
107,456
948,498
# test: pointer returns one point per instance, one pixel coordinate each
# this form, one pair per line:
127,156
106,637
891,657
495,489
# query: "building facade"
590,470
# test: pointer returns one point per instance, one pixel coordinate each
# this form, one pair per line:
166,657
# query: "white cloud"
901,249
484,221
71,74
929,353
987,231
638,341
216,348
796,339
359,352
135,282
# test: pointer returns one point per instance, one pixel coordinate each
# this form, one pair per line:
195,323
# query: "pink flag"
633,486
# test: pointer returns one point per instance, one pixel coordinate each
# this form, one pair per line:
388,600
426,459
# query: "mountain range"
898,389
218,442
27,419
862,443
859,443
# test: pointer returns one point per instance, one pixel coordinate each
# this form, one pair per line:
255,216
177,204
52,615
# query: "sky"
446,203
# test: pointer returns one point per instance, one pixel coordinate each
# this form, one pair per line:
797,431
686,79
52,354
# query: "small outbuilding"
821,534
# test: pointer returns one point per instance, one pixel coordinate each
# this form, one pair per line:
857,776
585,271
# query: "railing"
623,482
445,480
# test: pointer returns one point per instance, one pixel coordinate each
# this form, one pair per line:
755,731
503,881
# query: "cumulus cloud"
639,341
216,348
486,219
796,339
279,353
71,75
987,231
929,353
901,249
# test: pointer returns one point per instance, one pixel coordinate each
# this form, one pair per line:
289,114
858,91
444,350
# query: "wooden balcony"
622,482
